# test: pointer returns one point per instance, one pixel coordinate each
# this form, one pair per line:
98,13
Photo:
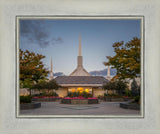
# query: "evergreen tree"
118,85
134,85
121,86
135,89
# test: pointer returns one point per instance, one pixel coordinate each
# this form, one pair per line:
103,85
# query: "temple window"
87,90
80,89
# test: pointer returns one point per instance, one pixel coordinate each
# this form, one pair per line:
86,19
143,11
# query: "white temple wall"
97,92
62,92
24,92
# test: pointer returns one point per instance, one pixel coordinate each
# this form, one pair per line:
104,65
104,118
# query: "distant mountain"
59,74
103,72
93,73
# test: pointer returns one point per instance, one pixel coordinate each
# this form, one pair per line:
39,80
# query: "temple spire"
80,71
51,72
108,73
79,58
80,54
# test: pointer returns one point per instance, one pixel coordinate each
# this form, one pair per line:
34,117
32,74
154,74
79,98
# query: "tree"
121,86
117,85
52,84
127,59
111,85
43,84
31,66
134,85
27,83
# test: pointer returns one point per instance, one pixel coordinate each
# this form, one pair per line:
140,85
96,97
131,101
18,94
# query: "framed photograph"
99,92
79,67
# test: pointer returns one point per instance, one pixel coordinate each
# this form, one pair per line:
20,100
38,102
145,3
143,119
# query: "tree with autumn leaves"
126,60
127,63
31,68
33,73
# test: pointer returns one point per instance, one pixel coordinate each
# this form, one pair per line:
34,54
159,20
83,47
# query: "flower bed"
79,100
126,98
46,98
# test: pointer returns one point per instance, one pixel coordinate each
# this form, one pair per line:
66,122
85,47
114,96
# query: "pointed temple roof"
80,71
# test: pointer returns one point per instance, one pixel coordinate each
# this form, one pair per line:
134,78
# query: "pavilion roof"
81,80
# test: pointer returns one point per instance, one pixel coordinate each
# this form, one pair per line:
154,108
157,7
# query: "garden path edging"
129,105
32,105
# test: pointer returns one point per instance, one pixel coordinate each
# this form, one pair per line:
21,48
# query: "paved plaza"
104,108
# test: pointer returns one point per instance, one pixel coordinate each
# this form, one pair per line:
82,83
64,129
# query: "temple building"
80,80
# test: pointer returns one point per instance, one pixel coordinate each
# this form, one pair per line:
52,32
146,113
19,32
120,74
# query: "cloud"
35,31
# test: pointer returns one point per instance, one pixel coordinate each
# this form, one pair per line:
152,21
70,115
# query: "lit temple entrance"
80,89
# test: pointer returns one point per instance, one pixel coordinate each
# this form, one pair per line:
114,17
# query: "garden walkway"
104,108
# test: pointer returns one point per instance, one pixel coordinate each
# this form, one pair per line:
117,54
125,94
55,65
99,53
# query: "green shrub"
101,97
53,94
69,94
137,99
128,92
90,95
113,94
25,99
44,93
85,94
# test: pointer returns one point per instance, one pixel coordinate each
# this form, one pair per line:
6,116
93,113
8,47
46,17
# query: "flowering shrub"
67,98
79,98
92,98
125,97
78,94
100,97
55,97
35,97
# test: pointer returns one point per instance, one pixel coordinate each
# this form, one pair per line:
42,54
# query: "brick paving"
104,108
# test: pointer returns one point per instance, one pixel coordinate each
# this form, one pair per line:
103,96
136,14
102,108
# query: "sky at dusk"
60,39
